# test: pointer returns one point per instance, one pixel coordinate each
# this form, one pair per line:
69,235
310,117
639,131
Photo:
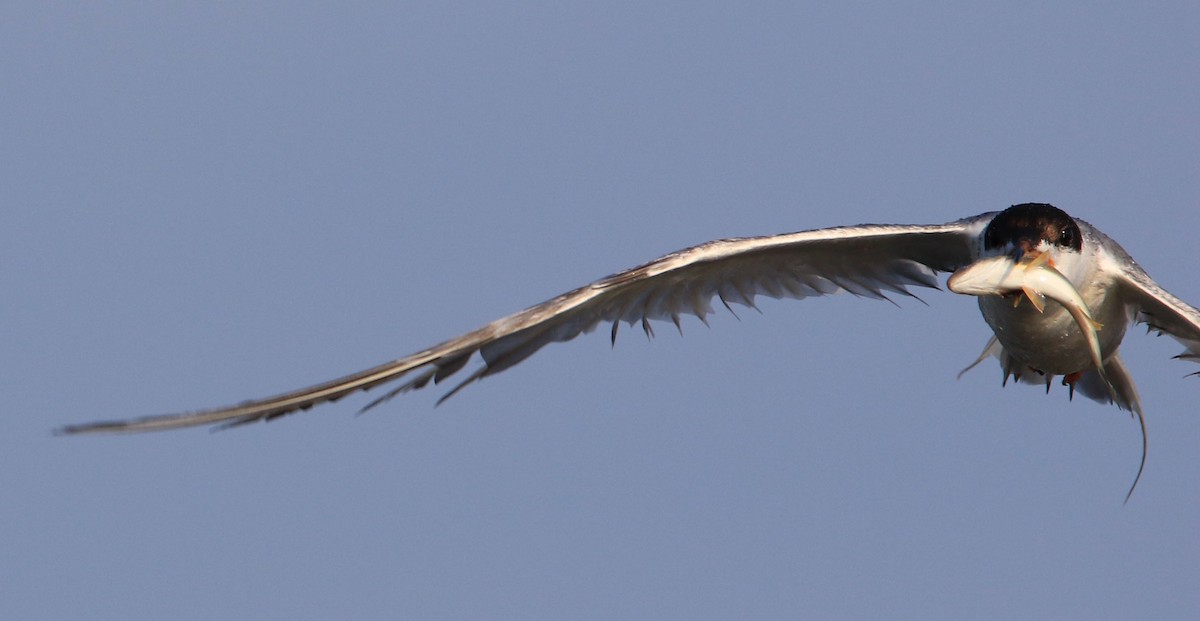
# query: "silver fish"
1038,280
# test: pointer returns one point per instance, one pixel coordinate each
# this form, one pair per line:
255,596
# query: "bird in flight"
1034,342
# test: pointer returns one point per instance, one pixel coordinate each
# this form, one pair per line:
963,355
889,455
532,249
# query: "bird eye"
1066,237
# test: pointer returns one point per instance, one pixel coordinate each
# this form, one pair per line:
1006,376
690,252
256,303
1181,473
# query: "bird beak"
1027,254
1024,250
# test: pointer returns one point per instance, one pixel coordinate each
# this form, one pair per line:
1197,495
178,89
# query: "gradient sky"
211,203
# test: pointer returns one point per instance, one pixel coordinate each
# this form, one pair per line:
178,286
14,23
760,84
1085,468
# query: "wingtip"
88,428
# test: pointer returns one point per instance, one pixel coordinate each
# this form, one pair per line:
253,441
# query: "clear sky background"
211,203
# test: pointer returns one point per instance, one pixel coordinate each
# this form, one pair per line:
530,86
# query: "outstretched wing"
1158,309
867,260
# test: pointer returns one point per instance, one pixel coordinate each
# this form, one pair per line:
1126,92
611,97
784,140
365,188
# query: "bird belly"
1051,341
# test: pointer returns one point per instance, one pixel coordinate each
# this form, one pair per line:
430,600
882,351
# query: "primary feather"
867,260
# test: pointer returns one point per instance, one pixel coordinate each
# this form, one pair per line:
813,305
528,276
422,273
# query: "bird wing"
866,260
1156,307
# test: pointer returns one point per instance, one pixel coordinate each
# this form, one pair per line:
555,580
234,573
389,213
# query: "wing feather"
864,260
1154,306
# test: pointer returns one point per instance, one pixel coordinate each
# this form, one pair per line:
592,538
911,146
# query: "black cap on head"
1031,223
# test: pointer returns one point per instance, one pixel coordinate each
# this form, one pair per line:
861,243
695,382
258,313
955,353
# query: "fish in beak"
1035,277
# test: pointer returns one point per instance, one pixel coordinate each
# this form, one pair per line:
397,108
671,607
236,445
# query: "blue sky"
205,204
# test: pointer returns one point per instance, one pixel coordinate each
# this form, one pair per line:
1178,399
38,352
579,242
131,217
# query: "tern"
1034,342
